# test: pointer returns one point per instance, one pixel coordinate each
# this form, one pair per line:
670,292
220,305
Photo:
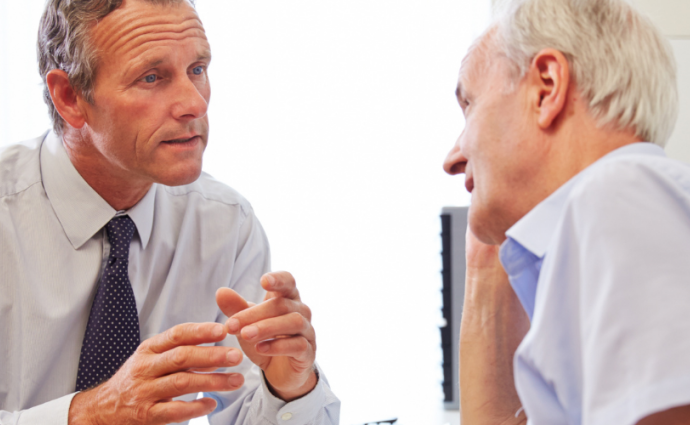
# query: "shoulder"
210,193
633,180
20,166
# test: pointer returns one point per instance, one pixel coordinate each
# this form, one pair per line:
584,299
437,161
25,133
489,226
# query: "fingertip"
232,325
209,404
218,331
268,281
236,380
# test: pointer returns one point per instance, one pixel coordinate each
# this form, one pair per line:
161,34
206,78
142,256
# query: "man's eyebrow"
204,55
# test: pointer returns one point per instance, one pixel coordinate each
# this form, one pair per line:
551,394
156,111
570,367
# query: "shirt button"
286,416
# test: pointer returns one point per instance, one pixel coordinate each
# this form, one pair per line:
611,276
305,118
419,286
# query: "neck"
585,144
115,185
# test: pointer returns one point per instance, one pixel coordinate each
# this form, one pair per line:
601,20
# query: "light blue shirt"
189,241
602,268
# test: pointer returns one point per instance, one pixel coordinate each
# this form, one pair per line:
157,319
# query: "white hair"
620,63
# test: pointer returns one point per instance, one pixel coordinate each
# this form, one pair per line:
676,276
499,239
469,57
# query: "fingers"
297,347
274,307
180,411
230,302
182,383
185,334
280,284
289,324
197,358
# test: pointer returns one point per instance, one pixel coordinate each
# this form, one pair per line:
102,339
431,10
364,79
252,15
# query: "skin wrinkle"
124,53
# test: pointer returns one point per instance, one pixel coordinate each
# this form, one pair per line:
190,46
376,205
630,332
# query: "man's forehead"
475,62
137,23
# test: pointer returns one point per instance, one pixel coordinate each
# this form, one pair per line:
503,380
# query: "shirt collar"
523,251
535,230
80,209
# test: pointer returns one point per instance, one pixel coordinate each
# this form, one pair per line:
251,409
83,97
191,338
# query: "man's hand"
493,324
163,367
276,334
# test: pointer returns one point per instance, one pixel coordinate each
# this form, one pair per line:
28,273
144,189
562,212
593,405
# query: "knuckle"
302,344
297,321
179,356
175,334
141,413
182,382
306,311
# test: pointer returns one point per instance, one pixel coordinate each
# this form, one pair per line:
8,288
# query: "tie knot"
120,232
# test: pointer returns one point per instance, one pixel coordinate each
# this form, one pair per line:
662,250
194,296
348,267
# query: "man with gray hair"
124,267
579,227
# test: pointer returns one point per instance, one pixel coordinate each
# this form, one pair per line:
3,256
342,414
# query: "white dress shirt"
602,268
189,241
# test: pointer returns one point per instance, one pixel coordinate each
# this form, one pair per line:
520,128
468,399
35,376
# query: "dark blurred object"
389,421
453,228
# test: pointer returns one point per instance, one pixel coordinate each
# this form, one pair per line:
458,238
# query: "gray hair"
64,43
620,63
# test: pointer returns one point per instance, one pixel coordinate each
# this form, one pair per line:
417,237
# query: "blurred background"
333,119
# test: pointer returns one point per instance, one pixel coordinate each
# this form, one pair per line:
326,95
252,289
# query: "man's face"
496,150
151,93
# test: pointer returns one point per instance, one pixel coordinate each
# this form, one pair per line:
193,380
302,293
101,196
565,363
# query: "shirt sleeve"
54,412
254,403
632,229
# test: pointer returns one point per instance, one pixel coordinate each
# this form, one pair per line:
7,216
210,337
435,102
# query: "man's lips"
182,139
469,183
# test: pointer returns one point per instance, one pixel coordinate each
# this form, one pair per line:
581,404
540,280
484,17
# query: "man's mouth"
469,183
181,140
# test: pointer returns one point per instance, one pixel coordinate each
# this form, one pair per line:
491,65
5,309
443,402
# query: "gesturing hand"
276,334
162,368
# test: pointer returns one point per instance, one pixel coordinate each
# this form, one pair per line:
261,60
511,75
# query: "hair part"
64,43
619,61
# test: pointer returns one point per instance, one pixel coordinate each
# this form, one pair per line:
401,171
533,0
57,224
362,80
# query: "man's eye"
150,78
198,70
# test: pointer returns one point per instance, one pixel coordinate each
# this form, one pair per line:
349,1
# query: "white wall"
678,146
333,119
673,18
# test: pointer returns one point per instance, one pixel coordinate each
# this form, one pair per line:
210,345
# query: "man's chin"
180,177
486,227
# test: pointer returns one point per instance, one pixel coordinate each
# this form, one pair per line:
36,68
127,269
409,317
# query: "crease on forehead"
132,29
476,61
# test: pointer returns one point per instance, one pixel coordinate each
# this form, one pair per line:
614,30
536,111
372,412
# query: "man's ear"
549,74
65,98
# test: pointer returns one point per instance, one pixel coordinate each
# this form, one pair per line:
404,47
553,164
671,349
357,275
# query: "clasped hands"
275,334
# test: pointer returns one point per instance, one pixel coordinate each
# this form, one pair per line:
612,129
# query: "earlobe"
551,72
65,98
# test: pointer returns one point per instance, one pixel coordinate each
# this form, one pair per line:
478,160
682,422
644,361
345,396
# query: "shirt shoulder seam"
245,209
17,192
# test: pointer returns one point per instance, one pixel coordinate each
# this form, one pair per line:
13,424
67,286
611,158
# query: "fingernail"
233,325
270,279
250,332
236,380
262,348
234,356
218,330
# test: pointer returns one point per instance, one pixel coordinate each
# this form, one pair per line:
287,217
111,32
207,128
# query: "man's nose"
189,102
455,160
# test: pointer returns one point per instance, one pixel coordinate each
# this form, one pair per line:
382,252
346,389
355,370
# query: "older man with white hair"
578,276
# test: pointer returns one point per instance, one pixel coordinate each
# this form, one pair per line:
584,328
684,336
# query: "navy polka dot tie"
112,333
